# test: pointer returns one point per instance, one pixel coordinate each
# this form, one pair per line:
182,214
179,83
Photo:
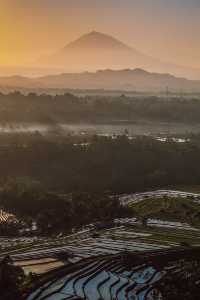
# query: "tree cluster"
16,107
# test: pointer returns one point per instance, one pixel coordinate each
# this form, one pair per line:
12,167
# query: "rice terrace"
126,258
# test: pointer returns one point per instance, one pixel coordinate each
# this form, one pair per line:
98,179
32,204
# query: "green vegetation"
115,165
169,209
188,188
55,212
15,107
70,184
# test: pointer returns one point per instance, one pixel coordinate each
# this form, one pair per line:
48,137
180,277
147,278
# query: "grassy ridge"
170,209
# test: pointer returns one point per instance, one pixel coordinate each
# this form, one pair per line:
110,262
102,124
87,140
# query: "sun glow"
29,29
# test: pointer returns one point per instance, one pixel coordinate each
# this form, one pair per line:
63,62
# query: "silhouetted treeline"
16,107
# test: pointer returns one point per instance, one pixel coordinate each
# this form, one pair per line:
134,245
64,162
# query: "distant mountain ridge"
127,80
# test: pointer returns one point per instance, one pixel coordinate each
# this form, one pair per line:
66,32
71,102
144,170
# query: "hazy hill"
95,51
127,80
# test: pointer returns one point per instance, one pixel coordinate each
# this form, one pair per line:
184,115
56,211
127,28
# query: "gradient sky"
166,29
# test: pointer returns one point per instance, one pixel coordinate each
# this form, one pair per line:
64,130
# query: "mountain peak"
95,39
95,33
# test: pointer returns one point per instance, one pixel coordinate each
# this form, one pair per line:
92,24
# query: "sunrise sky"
166,29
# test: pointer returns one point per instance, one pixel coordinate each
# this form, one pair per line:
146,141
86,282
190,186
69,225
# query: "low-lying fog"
104,129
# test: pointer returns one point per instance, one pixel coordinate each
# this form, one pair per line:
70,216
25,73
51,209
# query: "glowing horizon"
164,29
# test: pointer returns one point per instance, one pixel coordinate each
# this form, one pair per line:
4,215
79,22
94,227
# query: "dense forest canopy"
118,165
16,107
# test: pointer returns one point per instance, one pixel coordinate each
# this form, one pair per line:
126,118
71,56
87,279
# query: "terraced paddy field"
123,276
105,244
125,235
126,261
102,278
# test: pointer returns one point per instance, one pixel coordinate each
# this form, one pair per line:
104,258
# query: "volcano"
97,51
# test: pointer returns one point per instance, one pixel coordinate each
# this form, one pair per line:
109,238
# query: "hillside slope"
169,209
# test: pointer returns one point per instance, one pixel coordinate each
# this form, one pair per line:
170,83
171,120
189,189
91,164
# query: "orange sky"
165,29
